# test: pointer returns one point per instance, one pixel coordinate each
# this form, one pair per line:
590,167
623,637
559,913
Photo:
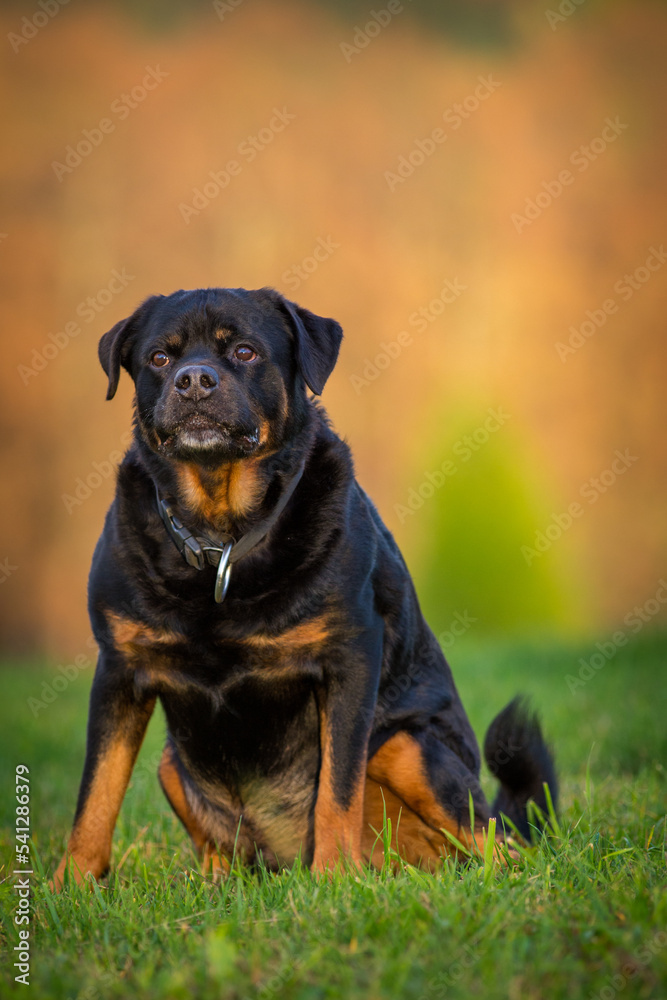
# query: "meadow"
583,914
504,339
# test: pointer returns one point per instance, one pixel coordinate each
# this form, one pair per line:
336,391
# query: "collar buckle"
184,540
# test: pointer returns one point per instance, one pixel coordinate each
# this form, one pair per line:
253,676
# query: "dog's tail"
519,758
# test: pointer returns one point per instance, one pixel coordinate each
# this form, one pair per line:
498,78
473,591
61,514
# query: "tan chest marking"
232,490
311,633
147,652
134,638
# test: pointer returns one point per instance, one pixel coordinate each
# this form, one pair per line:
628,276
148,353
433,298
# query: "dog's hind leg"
213,860
424,788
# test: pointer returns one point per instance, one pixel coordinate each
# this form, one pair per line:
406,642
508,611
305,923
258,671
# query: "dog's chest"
207,661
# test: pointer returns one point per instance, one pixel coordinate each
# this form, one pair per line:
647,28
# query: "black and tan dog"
245,579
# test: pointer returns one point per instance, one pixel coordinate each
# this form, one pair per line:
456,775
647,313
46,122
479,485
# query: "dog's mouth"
199,432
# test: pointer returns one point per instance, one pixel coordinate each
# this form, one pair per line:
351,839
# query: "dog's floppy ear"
110,352
114,347
317,342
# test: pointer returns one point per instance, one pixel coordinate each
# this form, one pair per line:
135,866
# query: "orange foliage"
322,177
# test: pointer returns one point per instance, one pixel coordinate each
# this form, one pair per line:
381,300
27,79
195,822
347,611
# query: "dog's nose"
195,381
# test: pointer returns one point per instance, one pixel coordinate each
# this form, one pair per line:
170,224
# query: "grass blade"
489,845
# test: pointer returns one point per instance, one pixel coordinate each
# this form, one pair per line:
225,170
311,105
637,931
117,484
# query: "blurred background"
475,190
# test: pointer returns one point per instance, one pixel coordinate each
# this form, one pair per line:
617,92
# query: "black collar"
224,550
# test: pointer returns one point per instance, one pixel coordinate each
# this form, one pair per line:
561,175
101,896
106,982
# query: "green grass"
584,915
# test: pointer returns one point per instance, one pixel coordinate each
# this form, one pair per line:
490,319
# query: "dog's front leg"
117,723
346,709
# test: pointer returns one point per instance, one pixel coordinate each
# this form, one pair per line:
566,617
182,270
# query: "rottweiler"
246,580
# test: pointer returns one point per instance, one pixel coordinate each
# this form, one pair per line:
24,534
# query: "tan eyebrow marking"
223,333
174,343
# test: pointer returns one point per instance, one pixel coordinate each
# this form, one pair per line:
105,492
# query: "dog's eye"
159,359
244,353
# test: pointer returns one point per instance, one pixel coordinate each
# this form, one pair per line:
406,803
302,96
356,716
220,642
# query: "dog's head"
220,373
